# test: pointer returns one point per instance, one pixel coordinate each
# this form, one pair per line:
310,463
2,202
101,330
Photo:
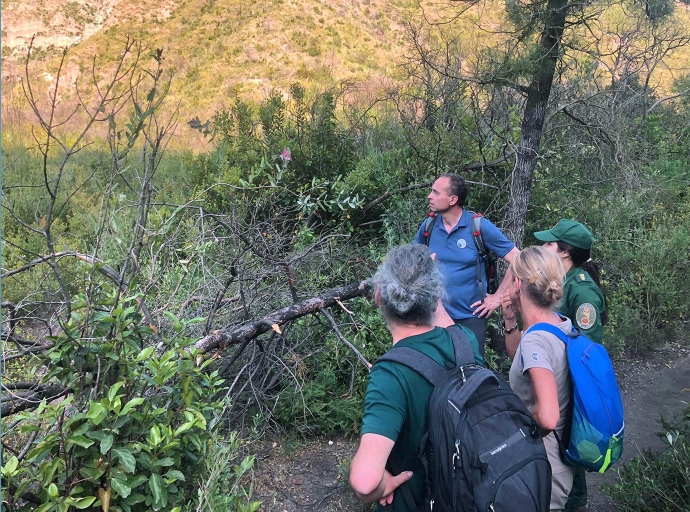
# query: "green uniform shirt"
583,303
395,405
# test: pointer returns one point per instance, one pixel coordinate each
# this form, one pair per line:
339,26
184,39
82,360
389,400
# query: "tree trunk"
532,125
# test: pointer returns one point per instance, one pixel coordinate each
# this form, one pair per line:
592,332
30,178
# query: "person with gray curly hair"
409,286
408,290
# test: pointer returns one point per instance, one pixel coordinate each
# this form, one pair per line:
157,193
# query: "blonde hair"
542,272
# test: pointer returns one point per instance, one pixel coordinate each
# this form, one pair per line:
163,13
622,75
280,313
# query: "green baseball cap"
568,231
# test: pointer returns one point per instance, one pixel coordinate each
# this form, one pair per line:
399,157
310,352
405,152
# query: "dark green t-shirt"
395,405
583,303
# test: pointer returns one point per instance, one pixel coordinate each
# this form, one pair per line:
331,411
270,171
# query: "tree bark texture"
228,336
15,402
533,118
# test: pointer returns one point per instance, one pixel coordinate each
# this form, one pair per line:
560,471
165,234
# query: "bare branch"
342,338
223,338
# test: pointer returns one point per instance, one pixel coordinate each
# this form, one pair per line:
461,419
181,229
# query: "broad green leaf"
48,471
10,466
137,480
135,498
121,421
80,503
145,354
120,487
52,491
81,429
165,462
126,459
154,437
92,473
157,487
79,440
134,402
112,393
45,507
175,474
106,443
184,428
98,435
97,413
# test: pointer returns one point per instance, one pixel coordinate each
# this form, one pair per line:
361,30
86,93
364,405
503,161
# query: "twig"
342,338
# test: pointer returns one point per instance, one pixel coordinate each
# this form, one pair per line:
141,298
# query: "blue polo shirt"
456,255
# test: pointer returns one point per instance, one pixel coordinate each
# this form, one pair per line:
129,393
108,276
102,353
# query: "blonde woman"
539,373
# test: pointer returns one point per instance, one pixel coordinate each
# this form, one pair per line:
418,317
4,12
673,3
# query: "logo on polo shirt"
462,243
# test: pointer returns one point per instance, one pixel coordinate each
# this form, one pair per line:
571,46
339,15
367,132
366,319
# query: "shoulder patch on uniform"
586,316
582,277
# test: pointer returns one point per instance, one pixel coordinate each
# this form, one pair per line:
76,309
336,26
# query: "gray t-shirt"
540,349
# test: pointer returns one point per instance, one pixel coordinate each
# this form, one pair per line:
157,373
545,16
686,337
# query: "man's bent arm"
368,476
492,302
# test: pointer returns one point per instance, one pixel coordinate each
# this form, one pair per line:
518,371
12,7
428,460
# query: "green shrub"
657,482
137,422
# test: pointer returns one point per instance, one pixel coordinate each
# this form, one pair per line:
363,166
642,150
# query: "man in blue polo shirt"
451,240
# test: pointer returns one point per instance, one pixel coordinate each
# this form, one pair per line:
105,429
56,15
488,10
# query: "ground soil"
314,477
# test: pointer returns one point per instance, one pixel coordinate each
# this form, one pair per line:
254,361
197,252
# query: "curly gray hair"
409,285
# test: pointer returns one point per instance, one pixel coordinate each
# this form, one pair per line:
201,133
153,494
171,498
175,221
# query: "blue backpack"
595,440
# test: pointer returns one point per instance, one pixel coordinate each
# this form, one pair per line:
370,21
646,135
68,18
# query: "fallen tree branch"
15,402
224,338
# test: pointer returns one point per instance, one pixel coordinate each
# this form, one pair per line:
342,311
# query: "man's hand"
392,483
491,303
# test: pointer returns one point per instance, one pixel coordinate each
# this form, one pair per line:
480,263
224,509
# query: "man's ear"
377,296
453,202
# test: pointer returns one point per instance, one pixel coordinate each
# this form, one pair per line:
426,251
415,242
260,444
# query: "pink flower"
286,155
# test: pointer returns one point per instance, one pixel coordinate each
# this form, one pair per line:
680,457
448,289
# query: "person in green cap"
583,302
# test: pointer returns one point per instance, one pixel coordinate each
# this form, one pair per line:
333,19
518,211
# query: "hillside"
217,48
220,49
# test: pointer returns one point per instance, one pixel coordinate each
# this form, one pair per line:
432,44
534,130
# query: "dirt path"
651,389
315,477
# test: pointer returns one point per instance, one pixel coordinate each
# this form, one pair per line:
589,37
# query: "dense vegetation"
654,482
161,305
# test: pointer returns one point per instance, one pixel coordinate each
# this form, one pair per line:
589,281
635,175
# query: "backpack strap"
429,227
564,438
417,361
543,326
462,346
481,249
426,366
395,470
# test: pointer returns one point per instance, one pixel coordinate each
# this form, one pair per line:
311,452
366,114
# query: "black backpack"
483,253
482,451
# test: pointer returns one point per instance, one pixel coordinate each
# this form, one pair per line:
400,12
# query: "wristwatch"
510,330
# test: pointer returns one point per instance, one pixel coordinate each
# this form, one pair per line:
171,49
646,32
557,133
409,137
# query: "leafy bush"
328,396
135,427
657,482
